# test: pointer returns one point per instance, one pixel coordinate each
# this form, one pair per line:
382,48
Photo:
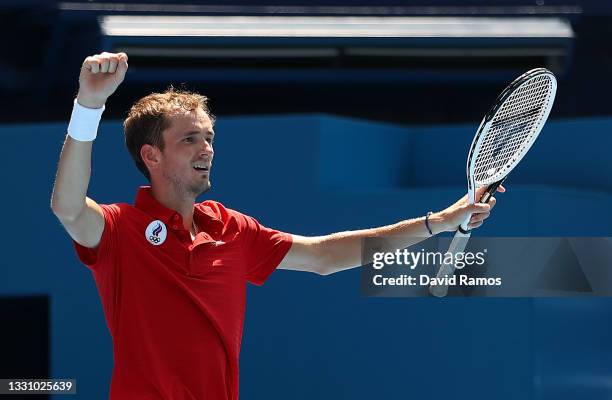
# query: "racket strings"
512,127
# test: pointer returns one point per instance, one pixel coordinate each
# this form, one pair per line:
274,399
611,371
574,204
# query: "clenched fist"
101,75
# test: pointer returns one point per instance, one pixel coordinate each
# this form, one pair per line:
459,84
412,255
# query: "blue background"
308,336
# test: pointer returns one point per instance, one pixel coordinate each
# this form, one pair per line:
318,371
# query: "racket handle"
457,245
490,190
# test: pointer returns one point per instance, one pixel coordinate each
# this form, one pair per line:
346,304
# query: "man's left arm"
339,251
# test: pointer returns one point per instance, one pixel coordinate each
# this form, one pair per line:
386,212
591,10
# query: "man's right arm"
81,216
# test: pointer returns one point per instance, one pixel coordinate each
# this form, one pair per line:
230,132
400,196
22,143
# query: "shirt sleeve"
102,262
266,249
96,258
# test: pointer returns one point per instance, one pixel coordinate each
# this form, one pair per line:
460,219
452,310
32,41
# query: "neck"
181,203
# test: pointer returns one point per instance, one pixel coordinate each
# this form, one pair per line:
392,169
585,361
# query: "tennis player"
172,273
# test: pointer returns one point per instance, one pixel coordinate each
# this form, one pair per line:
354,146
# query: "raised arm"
82,217
342,250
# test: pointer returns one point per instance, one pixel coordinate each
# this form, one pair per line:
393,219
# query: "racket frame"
463,234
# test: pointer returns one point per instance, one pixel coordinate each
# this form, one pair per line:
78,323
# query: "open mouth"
201,167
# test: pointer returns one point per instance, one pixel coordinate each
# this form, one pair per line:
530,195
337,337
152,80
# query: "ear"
151,156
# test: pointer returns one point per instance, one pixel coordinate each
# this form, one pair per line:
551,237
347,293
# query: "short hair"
149,117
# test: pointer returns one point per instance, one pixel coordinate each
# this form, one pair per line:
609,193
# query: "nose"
207,149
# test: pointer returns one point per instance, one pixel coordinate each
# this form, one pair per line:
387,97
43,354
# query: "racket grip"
490,190
447,269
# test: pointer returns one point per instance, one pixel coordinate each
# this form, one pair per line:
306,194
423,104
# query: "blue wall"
308,336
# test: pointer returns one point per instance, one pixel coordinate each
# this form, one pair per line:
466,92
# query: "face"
186,160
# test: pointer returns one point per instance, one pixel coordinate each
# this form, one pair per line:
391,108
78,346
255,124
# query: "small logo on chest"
156,233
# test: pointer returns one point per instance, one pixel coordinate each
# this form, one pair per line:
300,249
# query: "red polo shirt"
175,308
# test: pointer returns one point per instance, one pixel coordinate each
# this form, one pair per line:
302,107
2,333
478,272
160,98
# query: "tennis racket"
505,135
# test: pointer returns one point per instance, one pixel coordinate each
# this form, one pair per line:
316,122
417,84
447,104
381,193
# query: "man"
171,272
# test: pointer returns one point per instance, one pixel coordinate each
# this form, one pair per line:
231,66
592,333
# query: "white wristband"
84,122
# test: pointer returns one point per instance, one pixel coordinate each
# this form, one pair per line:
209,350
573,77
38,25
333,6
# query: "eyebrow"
191,133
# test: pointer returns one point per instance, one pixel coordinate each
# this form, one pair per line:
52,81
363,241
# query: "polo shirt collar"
147,203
